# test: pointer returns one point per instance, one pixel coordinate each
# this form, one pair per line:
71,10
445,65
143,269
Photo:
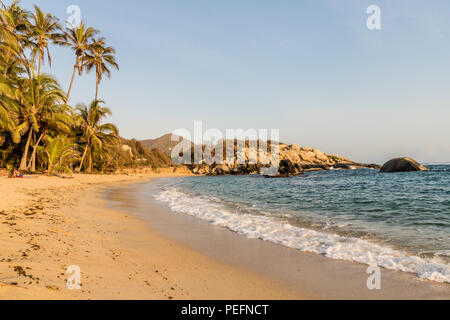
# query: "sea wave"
306,240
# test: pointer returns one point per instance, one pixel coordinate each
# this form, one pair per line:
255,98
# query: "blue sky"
310,68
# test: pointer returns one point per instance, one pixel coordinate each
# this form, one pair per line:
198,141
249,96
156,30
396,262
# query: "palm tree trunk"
50,167
73,77
32,162
33,157
96,90
32,167
90,162
82,158
39,68
23,161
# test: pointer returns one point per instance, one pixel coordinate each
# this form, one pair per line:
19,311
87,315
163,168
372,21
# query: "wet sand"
315,276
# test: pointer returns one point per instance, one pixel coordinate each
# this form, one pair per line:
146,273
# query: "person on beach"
14,174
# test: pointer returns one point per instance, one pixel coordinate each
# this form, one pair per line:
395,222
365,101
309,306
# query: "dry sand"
48,224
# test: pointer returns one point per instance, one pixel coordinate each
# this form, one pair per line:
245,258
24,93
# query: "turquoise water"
358,215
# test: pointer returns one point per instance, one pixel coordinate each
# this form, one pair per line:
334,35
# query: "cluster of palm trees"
38,128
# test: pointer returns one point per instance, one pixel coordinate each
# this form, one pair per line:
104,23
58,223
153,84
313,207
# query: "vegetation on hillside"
146,157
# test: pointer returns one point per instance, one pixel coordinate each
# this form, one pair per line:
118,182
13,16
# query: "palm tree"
80,40
95,134
35,120
10,63
99,57
44,28
59,153
14,27
54,121
36,98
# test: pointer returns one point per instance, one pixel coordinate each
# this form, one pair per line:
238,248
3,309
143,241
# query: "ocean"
398,221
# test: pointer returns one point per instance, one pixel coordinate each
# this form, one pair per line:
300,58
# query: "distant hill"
134,152
164,144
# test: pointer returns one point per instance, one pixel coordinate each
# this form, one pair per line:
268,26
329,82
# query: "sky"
310,68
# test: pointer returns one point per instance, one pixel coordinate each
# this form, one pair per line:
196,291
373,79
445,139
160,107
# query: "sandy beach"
131,248
297,154
48,224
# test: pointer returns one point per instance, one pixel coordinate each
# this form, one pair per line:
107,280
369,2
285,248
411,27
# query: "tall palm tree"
99,57
44,28
95,134
35,98
80,40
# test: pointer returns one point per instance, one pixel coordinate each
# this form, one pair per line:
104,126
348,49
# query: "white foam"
437,163
329,245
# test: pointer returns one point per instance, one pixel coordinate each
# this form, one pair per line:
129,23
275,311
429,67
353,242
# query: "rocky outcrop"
292,161
402,165
127,149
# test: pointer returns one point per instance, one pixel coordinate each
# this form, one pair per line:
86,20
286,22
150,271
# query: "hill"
164,144
133,152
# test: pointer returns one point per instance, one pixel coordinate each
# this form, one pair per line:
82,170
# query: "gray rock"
402,165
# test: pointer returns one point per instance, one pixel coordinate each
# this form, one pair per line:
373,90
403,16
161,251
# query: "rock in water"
402,165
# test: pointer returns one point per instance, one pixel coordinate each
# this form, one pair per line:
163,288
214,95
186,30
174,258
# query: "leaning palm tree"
95,134
100,57
80,40
44,28
35,98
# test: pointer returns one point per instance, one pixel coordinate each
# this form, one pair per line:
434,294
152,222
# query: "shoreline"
48,224
129,246
317,276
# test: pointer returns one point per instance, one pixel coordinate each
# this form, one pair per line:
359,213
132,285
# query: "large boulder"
288,168
320,155
307,156
402,165
182,170
127,149
291,155
295,147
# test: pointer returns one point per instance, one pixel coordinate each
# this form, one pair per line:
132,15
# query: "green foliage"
59,154
99,57
144,157
38,129
98,137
